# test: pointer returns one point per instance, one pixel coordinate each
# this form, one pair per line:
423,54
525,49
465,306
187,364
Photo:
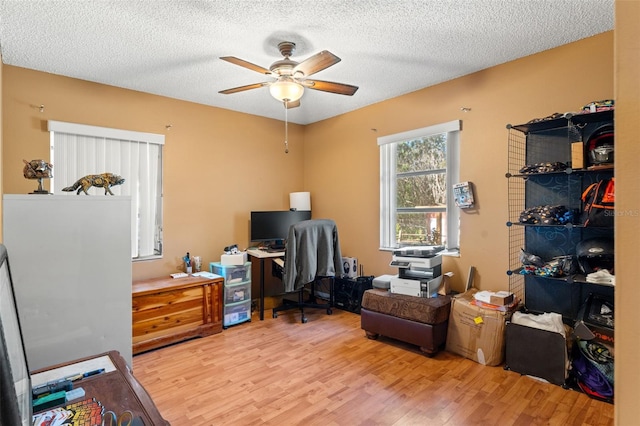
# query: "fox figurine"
104,180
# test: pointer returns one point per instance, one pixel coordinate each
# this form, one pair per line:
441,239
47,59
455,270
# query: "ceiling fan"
292,77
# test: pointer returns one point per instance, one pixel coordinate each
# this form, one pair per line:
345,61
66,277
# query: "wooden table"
168,310
116,389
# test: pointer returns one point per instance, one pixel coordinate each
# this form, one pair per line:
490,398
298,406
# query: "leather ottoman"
416,320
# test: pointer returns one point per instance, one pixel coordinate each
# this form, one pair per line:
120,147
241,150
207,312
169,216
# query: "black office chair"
312,256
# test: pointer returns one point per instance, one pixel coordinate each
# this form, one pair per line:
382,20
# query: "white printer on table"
419,271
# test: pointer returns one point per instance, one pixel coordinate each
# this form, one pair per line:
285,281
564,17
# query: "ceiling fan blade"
316,63
294,104
243,88
245,64
329,86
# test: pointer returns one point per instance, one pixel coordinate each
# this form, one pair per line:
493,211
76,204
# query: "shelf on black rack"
562,172
570,279
563,121
542,225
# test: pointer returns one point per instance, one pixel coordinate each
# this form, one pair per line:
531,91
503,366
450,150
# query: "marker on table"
93,373
87,374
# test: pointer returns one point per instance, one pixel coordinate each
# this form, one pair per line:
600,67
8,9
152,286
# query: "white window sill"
145,258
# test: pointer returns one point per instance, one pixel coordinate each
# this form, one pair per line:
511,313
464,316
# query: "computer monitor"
272,227
15,381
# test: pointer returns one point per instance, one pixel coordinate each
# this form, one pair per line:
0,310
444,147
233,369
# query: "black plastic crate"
348,292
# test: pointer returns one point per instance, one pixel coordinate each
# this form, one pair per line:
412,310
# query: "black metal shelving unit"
549,141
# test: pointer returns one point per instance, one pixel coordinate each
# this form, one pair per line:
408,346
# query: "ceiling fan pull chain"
286,127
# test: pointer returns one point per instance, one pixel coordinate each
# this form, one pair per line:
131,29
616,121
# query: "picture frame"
15,378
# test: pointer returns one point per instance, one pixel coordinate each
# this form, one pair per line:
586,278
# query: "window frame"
388,177
138,199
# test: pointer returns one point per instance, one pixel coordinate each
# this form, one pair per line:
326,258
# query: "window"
418,169
78,150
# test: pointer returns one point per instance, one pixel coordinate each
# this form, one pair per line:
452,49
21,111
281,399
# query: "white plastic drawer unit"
232,274
237,313
237,292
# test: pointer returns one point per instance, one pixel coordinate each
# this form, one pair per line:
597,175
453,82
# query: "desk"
257,258
116,389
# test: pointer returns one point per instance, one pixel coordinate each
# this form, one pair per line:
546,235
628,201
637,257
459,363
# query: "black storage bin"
536,352
348,292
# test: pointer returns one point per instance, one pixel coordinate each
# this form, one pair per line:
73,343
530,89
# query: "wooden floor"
326,372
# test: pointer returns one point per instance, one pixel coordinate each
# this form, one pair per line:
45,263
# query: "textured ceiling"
388,48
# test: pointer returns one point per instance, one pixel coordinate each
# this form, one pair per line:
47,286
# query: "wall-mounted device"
463,195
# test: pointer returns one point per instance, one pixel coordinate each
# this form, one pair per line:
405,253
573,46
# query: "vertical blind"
78,150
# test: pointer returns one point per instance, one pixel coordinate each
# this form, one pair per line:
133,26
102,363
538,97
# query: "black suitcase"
536,352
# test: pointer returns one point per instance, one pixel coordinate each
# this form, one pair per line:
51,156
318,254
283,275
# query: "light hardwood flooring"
326,372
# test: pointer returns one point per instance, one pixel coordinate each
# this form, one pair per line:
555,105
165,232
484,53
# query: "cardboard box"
476,333
498,298
234,259
501,298
350,267
271,302
577,155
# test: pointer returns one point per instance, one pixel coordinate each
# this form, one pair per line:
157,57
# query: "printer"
419,271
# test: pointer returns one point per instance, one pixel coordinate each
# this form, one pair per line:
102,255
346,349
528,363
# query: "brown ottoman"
416,320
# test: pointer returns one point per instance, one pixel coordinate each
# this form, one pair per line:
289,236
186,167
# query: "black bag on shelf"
598,203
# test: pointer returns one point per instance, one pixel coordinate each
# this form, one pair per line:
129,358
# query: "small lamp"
286,89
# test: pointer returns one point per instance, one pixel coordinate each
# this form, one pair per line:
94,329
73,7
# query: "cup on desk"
197,263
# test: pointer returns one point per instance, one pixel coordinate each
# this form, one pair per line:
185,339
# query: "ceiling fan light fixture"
286,89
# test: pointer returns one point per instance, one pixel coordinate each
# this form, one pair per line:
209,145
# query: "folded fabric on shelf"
601,276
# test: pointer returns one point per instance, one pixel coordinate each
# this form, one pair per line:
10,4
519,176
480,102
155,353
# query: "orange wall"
342,158
218,164
627,231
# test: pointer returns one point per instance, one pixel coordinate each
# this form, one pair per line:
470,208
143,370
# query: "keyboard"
275,249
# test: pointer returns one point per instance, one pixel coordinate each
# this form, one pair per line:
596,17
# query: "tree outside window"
421,196
418,170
